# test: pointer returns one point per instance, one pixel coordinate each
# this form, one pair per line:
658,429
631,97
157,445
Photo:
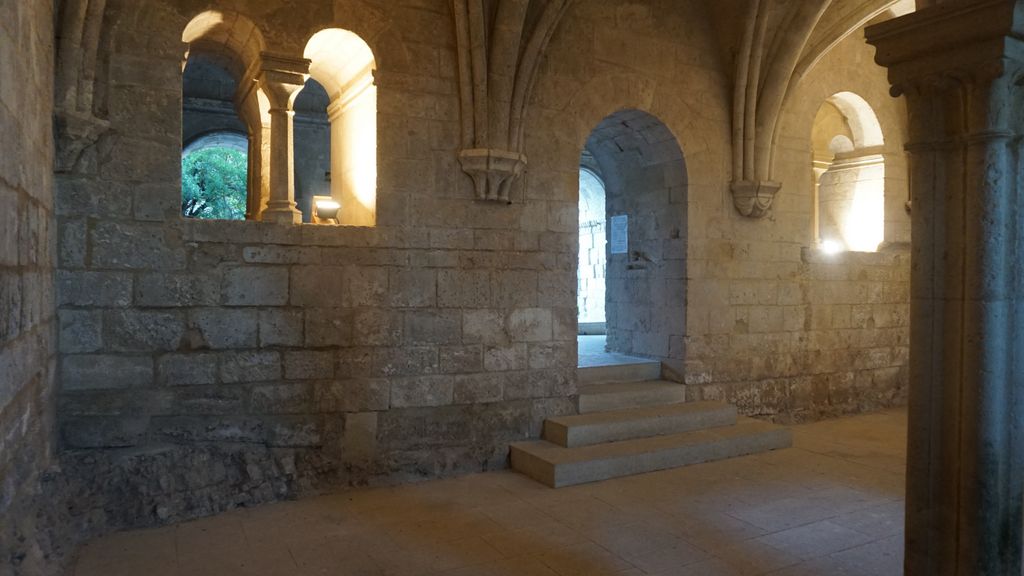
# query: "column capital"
281,77
946,46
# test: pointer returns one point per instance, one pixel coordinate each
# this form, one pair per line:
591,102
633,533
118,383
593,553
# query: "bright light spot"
864,228
327,205
831,247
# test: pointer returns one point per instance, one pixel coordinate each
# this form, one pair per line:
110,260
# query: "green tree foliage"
213,183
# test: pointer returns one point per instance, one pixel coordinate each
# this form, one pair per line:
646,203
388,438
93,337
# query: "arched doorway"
641,166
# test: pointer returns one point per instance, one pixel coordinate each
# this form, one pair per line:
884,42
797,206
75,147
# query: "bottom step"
557,466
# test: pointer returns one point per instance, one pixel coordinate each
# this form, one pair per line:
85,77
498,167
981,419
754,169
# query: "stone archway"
645,176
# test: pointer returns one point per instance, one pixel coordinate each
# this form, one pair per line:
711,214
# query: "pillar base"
282,216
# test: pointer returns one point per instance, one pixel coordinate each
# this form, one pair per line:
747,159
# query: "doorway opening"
632,251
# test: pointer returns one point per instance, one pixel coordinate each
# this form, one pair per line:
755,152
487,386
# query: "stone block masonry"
210,365
28,542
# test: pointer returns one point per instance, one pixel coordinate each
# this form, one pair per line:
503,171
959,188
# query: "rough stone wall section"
827,336
27,347
209,365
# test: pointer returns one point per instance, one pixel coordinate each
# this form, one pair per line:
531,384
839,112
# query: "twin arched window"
334,120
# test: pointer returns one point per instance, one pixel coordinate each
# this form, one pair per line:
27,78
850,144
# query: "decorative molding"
500,49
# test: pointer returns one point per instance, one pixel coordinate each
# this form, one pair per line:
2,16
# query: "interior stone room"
511,287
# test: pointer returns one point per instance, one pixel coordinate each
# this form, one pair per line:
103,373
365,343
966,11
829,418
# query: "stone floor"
592,353
830,506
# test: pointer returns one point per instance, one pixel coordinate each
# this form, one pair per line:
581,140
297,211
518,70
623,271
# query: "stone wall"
288,359
27,334
767,325
208,365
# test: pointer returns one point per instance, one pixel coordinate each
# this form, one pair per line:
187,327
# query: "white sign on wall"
620,234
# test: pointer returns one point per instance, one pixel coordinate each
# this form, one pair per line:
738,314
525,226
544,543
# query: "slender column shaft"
281,80
282,207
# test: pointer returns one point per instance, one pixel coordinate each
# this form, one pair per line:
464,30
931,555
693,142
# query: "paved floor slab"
830,505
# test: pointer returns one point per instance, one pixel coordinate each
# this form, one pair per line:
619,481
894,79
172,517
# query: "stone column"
281,78
958,65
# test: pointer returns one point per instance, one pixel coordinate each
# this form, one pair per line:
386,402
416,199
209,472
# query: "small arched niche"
849,175
641,166
220,98
342,65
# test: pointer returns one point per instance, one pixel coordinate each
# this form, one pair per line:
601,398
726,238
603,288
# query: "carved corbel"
77,127
754,199
75,133
493,171
500,49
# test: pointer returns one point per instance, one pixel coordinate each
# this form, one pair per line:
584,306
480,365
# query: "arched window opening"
223,129
214,161
593,258
342,65
214,171
849,173
312,147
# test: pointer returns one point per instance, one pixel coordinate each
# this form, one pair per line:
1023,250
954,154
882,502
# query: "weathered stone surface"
256,286
224,328
484,326
505,358
81,331
530,325
479,388
309,365
142,331
463,289
104,432
443,327
461,359
296,398
135,246
279,327
422,391
329,327
368,286
187,369
100,372
375,327
319,286
165,290
412,288
84,288
253,366
357,395
405,361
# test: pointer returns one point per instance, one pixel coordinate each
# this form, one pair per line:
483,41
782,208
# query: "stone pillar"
958,65
281,78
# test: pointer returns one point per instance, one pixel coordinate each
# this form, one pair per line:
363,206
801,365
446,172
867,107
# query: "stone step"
557,466
599,427
633,371
627,395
